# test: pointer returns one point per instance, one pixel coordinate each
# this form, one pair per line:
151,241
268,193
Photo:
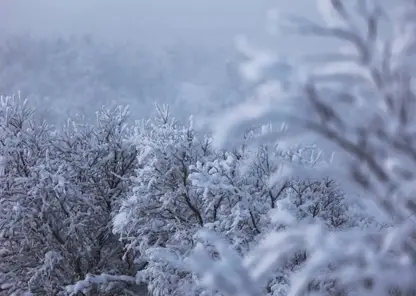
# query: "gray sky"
149,21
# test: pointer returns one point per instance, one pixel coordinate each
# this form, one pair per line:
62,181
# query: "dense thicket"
59,190
355,96
108,208
160,207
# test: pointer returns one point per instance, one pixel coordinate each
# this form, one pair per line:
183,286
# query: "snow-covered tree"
58,192
165,210
24,230
241,180
111,208
183,185
100,162
359,98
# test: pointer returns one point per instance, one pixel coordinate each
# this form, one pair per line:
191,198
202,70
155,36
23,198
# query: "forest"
283,176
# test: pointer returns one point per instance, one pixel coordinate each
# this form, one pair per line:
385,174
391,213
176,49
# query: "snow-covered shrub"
58,190
242,180
165,210
360,98
110,208
184,185
100,161
24,231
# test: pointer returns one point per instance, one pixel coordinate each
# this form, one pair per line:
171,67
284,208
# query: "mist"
148,23
179,52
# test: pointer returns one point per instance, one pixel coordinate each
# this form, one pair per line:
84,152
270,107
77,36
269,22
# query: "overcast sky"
148,21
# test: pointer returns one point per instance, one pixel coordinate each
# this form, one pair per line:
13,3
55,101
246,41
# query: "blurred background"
73,56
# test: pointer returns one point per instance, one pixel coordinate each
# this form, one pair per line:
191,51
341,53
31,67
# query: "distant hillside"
79,74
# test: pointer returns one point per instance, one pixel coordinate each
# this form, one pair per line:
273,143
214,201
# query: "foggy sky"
148,22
